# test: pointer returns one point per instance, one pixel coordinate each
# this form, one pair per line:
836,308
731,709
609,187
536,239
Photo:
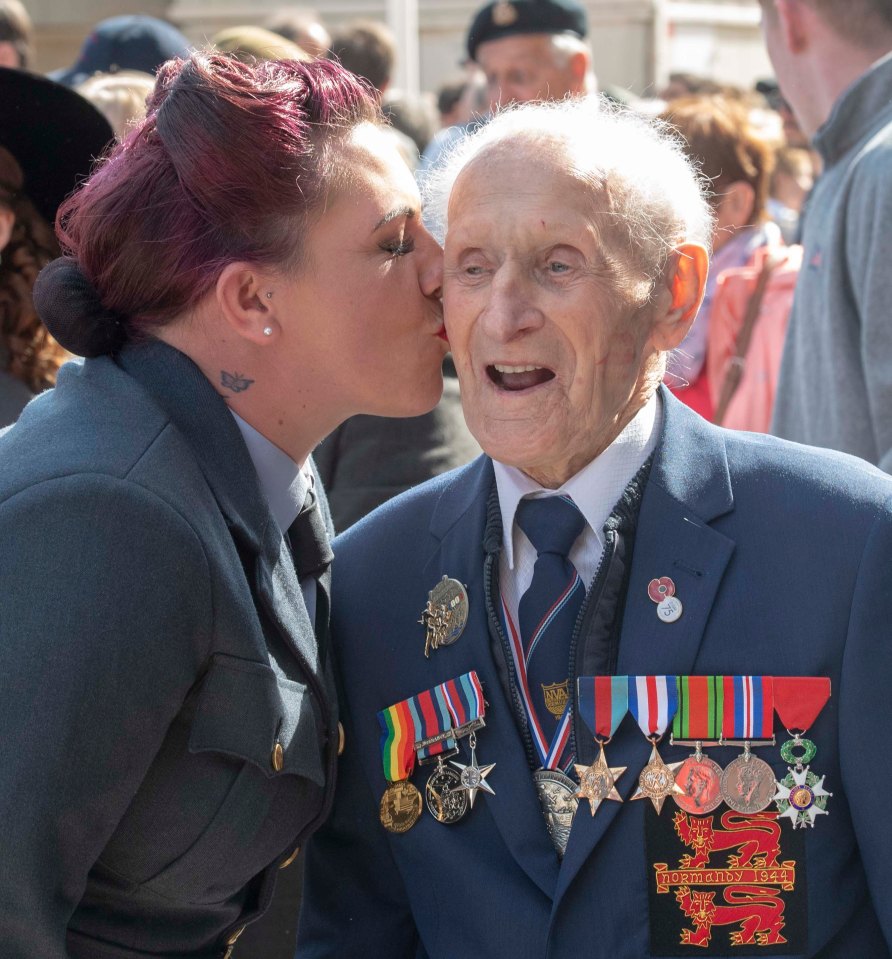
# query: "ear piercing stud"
267,331
269,294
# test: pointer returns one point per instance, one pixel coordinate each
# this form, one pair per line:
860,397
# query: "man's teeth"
516,369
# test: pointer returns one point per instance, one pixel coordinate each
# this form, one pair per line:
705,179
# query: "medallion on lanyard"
748,783
400,805
800,796
464,698
445,614
434,742
653,701
603,702
698,722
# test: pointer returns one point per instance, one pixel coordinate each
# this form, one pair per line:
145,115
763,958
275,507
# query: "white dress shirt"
285,485
595,489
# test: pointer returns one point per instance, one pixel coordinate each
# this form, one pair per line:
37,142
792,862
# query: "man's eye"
555,266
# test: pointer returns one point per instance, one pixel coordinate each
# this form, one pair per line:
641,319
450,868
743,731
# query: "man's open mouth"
516,378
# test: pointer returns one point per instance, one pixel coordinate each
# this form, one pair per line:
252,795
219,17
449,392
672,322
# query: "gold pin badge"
445,615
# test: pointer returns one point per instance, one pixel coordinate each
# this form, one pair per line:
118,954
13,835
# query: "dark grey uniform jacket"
155,653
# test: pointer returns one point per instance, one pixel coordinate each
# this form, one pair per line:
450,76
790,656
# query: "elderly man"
613,567
834,64
527,50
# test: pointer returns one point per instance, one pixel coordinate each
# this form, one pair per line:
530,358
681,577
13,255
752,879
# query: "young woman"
247,269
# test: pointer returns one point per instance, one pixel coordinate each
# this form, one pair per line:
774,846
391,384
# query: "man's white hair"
642,182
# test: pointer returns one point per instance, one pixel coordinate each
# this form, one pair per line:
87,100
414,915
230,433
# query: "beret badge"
504,14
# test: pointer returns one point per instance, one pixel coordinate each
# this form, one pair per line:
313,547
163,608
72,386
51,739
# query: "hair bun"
70,308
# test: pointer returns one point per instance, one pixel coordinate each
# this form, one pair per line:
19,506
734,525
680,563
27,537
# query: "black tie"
312,554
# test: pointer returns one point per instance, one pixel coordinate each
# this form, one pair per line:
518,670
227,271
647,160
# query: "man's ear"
793,24
7,223
684,284
243,296
579,66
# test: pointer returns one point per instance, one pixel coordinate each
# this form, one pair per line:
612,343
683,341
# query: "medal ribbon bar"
748,709
799,699
397,741
700,710
653,701
432,724
603,703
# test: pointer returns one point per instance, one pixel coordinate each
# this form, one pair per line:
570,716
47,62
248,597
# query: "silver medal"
446,801
557,794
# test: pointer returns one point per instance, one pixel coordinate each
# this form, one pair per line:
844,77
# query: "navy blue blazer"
167,724
782,557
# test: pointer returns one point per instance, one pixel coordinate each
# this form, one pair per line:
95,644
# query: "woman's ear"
685,282
245,300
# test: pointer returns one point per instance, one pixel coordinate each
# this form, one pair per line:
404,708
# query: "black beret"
511,17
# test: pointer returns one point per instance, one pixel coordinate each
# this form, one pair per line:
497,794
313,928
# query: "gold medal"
400,807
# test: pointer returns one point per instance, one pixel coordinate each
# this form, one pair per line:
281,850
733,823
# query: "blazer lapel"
689,486
459,524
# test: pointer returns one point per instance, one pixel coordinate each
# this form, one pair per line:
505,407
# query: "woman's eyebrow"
395,214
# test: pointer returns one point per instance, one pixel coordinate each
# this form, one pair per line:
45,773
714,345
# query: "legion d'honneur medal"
748,784
653,701
400,805
603,702
800,795
698,721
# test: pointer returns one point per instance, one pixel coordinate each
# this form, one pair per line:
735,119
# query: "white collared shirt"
595,490
285,485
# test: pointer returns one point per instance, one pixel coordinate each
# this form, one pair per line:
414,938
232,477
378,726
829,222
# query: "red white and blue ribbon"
464,699
653,701
748,711
603,703
554,754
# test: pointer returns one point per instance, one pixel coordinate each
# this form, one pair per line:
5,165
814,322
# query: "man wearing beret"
528,50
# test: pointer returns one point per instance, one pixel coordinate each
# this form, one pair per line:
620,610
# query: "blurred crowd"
759,163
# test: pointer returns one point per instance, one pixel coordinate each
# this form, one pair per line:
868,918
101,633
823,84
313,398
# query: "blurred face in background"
528,67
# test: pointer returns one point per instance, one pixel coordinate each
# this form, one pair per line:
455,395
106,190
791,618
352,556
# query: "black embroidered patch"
725,884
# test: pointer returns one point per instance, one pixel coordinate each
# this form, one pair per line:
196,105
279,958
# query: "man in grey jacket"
834,67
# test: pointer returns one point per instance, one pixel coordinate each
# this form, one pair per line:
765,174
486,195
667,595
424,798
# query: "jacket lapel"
458,524
689,486
195,408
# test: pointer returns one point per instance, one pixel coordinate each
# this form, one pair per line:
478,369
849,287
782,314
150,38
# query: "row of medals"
449,794
697,784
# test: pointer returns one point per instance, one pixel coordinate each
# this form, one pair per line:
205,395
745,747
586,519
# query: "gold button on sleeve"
340,739
278,757
287,862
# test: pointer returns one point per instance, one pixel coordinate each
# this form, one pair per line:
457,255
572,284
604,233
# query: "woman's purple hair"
230,164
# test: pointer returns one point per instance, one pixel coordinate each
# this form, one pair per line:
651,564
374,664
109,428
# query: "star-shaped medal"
801,797
473,777
657,780
598,781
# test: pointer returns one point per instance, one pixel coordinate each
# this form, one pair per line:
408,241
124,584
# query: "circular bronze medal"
400,806
701,782
557,794
446,801
748,784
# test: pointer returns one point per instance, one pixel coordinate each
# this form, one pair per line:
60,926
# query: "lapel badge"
662,592
445,615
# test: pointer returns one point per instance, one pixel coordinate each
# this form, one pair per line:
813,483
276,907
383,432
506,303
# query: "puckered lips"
514,378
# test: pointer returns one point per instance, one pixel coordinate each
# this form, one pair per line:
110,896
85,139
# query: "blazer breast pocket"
262,737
